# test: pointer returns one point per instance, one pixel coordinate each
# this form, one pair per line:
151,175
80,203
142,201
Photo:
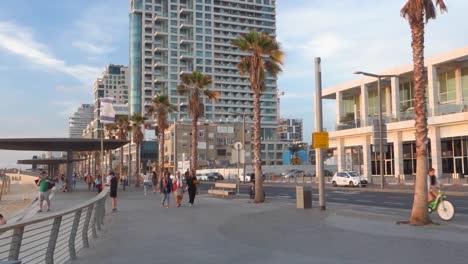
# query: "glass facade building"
171,37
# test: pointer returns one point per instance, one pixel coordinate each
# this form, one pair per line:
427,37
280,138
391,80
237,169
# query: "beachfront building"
447,109
290,130
80,119
170,38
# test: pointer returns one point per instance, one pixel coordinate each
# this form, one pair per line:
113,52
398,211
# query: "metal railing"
56,237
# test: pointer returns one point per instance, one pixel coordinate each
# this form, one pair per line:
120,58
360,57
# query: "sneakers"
39,211
114,209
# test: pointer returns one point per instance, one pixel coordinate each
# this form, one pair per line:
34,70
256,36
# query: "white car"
348,178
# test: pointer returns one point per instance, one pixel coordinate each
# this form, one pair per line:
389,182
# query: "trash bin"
303,197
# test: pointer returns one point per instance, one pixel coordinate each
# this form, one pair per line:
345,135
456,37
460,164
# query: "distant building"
80,120
113,83
290,130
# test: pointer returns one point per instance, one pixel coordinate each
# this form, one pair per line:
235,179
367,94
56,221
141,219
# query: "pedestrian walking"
3,221
146,182
154,179
123,181
192,183
165,188
88,180
112,182
74,180
98,182
43,184
179,188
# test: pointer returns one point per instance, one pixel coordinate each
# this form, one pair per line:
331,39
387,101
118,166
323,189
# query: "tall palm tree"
264,55
161,108
194,85
418,13
110,130
123,127
138,121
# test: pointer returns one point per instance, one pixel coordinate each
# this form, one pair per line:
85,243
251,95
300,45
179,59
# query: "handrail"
61,234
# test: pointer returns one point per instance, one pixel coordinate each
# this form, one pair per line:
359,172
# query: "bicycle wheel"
446,210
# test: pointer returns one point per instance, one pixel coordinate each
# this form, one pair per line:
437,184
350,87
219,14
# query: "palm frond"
214,95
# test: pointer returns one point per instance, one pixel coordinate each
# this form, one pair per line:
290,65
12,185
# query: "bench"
224,189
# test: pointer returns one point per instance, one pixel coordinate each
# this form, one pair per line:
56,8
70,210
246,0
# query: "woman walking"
165,188
146,182
192,183
154,179
179,187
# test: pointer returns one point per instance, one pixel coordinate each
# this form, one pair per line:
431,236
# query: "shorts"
44,196
113,193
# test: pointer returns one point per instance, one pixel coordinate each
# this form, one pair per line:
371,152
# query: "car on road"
293,173
326,173
348,178
216,175
249,177
206,177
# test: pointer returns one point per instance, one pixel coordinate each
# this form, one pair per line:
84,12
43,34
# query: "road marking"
340,199
343,192
364,201
283,196
396,203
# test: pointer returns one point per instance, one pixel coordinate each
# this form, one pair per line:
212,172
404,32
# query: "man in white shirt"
146,182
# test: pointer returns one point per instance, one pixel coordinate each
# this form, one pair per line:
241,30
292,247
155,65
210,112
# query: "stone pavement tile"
236,231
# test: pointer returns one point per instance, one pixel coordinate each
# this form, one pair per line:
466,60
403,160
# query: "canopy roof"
46,161
59,144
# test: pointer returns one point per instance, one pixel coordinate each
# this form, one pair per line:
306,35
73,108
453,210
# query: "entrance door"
388,167
458,165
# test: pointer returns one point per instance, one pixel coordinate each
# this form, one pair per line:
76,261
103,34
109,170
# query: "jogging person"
43,184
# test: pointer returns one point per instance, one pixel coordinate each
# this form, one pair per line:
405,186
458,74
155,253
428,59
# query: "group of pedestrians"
178,185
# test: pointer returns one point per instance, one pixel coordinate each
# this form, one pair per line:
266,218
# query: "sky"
51,52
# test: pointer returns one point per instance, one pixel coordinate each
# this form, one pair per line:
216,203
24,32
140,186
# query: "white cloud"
19,40
91,48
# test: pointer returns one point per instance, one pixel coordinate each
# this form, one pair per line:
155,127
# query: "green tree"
194,85
418,13
137,124
159,110
264,55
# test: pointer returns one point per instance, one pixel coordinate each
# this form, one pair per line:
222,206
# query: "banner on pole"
107,111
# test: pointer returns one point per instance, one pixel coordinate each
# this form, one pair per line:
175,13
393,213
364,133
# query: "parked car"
293,173
206,177
326,173
249,177
216,175
348,178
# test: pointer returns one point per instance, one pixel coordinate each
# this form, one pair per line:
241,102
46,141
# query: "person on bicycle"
432,184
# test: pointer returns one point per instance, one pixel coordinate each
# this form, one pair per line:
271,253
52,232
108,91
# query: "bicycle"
444,208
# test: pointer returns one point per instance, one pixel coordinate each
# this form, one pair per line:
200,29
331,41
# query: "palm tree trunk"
137,165
259,197
419,213
193,158
161,156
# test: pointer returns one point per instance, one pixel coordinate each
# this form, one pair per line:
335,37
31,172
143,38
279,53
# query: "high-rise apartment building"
170,38
113,83
80,120
290,130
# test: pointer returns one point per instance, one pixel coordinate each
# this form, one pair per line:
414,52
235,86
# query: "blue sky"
51,51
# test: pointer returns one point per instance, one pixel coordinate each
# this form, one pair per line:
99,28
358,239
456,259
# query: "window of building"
373,102
464,79
406,95
349,103
446,85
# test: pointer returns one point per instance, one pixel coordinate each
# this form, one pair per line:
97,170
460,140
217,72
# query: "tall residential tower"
170,38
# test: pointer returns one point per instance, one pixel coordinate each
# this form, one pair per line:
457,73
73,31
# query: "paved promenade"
236,231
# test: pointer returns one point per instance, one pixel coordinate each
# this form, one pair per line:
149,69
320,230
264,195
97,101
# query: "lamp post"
243,138
379,95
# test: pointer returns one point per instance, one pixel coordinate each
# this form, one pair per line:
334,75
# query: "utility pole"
319,128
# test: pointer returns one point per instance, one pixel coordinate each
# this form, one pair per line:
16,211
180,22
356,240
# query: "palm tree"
194,86
123,127
161,108
264,55
137,122
110,130
418,13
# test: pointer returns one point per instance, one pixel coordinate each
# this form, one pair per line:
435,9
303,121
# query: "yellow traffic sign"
320,140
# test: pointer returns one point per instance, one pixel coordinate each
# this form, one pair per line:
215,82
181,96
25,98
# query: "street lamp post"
243,139
379,95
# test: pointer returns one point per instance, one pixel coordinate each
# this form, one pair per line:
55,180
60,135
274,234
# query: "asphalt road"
352,196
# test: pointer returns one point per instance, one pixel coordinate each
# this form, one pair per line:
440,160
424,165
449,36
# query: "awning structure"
59,144
68,145
46,161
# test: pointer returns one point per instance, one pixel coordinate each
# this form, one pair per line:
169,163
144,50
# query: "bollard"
303,197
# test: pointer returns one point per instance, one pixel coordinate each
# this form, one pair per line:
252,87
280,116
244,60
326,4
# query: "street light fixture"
243,137
379,95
